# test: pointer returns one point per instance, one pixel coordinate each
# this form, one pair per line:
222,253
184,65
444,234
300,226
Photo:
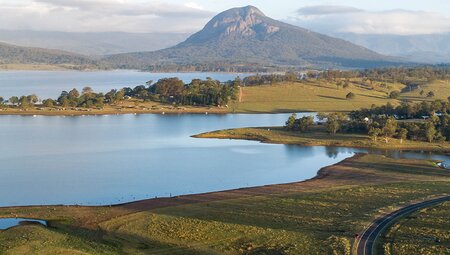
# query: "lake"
47,84
6,223
102,160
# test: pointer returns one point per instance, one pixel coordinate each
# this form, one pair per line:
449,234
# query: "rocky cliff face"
244,22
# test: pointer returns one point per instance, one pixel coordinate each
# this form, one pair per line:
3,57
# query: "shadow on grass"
335,98
122,243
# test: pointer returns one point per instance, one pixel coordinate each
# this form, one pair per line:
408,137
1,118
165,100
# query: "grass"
423,232
312,217
318,137
310,96
322,96
307,96
440,88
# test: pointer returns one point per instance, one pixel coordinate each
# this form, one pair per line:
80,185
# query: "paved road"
365,246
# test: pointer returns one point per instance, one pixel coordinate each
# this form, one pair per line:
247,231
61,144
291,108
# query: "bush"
394,94
350,95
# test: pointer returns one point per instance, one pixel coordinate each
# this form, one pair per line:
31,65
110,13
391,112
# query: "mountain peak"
237,22
250,10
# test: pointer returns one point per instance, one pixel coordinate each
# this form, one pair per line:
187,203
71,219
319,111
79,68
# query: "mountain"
433,48
92,43
245,36
10,54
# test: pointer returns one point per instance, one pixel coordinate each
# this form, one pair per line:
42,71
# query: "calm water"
101,160
11,222
113,159
47,84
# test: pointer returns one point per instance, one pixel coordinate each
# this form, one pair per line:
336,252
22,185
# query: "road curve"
366,241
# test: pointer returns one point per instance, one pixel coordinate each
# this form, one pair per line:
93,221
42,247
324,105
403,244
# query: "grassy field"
318,216
313,96
321,96
318,137
440,88
424,232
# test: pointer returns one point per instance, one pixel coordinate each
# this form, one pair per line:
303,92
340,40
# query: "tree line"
168,90
385,122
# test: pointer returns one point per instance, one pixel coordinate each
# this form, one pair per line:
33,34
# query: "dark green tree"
430,131
402,134
13,100
394,94
304,124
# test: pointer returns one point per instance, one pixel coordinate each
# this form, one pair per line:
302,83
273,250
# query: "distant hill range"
93,43
432,48
246,37
11,54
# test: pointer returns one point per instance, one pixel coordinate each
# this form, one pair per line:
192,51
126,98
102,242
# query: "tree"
389,128
48,102
87,90
304,124
23,102
32,99
65,102
422,92
448,98
2,100
374,133
111,96
169,87
291,122
350,95
120,95
430,131
333,124
73,94
430,94
13,100
402,134
394,94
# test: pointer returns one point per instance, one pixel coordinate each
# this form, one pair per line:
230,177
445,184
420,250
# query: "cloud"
102,15
194,5
342,19
326,10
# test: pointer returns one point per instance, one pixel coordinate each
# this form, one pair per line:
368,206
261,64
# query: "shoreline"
317,142
161,202
85,112
110,111
50,68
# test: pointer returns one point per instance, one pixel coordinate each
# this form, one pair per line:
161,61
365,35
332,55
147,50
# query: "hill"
246,37
11,54
92,43
323,96
432,48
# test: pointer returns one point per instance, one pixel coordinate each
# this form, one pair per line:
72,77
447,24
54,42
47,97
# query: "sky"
399,17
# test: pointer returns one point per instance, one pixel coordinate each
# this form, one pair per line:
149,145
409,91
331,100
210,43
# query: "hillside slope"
245,36
11,54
